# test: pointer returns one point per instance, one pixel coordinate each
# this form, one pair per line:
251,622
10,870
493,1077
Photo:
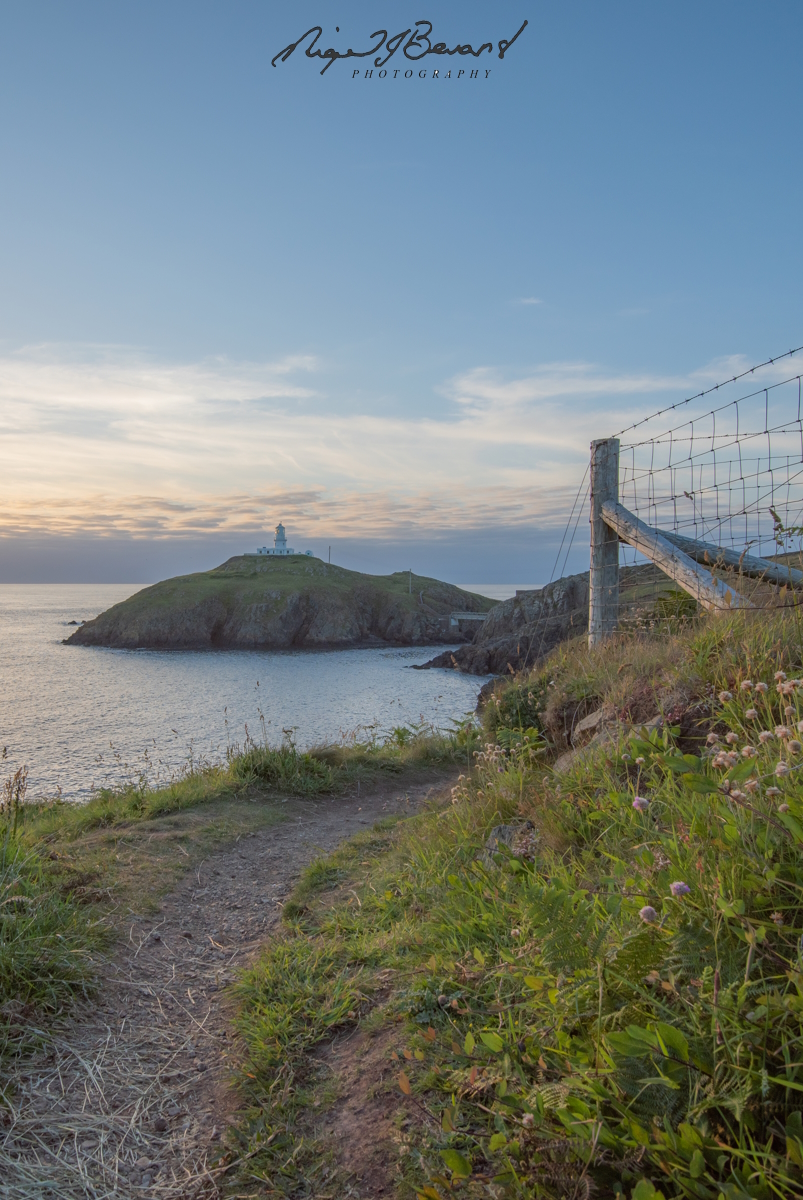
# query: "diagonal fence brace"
691,576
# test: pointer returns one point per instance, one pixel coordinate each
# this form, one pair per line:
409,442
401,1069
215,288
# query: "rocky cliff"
250,603
522,630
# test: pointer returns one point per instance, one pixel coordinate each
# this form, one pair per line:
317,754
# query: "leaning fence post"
603,595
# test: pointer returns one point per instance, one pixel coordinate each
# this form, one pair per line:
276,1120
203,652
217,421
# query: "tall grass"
47,948
613,1005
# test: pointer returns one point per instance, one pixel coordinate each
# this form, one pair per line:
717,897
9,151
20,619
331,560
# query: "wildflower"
639,760
750,714
648,914
731,738
783,731
763,688
765,736
625,758
527,1120
713,738
794,747
786,689
515,933
746,685
735,794
726,785
788,710
800,726
782,770
724,697
749,752
779,676
640,804
679,889
783,808
773,791
751,785
777,918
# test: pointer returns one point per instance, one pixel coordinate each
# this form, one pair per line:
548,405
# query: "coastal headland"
251,602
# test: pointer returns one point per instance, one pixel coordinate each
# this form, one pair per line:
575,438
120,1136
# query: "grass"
612,1006
252,588
70,874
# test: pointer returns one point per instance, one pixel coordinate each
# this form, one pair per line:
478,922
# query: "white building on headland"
280,547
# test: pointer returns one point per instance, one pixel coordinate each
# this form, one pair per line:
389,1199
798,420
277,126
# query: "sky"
389,311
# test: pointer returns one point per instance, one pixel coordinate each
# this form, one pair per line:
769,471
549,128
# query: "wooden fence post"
603,597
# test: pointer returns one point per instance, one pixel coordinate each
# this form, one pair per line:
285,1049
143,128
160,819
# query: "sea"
80,718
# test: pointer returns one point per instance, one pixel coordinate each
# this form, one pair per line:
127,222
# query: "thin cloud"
108,441
529,300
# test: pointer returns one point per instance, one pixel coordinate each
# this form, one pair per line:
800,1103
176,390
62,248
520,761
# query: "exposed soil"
132,1096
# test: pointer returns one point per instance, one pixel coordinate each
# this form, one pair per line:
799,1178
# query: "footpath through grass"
612,1004
70,874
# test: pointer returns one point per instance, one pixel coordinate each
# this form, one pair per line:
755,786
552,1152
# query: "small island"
287,601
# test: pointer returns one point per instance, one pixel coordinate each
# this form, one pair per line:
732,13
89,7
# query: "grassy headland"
612,1003
280,603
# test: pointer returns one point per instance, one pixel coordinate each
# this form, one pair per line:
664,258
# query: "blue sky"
391,312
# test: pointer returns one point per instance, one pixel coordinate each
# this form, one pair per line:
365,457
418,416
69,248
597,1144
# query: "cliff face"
250,603
523,629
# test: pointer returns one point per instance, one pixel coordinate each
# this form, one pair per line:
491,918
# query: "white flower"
725,697
794,746
749,752
783,808
779,676
763,688
788,710
783,731
773,791
714,737
731,738
782,770
750,714
751,785
765,736
746,685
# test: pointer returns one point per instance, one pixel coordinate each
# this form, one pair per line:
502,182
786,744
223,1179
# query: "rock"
520,838
609,731
590,723
160,1124
521,631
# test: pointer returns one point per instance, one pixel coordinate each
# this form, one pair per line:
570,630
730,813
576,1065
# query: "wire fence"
730,476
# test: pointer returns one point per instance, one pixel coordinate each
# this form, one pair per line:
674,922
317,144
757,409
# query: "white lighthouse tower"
280,541
280,548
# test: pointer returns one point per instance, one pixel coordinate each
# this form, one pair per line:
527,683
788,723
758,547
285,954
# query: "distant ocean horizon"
84,717
499,591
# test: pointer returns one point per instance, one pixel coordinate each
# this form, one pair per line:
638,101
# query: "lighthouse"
280,548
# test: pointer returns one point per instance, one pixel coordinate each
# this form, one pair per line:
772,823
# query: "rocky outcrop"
282,604
523,629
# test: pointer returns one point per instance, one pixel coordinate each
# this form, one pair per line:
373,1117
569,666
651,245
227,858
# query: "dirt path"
132,1098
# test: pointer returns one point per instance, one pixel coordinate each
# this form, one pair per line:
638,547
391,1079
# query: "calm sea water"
81,717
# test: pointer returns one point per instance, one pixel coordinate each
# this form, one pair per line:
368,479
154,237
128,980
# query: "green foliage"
621,1011
516,705
46,946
